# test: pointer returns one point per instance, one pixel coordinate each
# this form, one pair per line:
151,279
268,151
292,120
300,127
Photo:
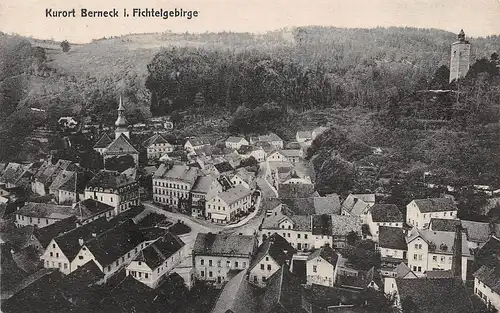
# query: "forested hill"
309,68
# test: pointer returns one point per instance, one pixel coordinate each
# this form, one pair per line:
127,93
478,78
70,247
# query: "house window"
268,267
146,275
298,236
80,257
140,274
442,259
202,273
60,265
51,254
264,278
210,274
434,258
244,264
219,263
255,279
236,264
305,236
262,266
228,263
415,256
57,254
315,269
419,269
209,262
65,266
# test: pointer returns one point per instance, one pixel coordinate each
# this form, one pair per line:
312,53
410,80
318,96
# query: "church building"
460,57
120,145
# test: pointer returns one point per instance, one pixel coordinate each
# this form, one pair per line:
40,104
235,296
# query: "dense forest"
370,85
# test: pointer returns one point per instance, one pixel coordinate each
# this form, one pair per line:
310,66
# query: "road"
267,190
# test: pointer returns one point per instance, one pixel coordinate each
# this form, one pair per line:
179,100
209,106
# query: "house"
350,276
215,255
342,226
243,177
358,205
62,249
17,175
383,215
173,183
400,271
303,136
197,143
478,233
69,186
293,155
234,143
276,156
238,295
246,151
271,255
47,173
222,168
46,234
290,191
156,146
420,211
89,210
115,189
205,188
392,246
103,143
114,248
296,229
431,250
228,205
309,206
320,266
157,260
41,214
271,138
487,284
432,295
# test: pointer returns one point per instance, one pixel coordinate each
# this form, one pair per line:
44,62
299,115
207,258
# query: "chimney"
456,265
80,241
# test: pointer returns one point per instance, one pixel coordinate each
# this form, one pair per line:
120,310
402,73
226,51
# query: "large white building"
420,211
214,255
157,146
321,265
173,182
235,142
115,189
228,205
41,214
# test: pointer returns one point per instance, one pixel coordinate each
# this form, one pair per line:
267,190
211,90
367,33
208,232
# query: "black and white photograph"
232,156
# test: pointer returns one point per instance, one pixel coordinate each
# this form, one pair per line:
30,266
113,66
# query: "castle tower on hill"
460,57
121,122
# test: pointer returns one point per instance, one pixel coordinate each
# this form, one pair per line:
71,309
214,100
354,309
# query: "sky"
27,17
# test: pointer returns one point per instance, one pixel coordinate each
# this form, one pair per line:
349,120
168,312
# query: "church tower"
121,122
460,57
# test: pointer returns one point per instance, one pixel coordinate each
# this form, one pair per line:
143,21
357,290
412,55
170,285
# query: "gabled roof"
453,296
392,238
61,179
216,244
235,139
291,153
89,208
238,296
103,142
19,238
224,167
269,137
277,248
477,231
46,234
442,242
121,145
383,213
177,172
155,139
444,224
489,274
343,225
313,205
203,183
357,204
247,149
489,252
435,205
45,210
304,134
109,179
234,194
295,191
198,141
13,172
156,253
402,271
283,293
327,253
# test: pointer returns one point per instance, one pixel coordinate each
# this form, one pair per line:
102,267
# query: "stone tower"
460,57
121,122
456,265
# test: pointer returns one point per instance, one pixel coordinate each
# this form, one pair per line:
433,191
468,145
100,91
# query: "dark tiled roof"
103,142
322,225
441,224
282,293
234,139
45,210
89,208
322,297
46,234
109,179
343,225
224,167
87,274
490,275
327,253
177,172
386,213
452,297
435,205
110,245
19,238
199,141
286,191
159,251
155,139
203,183
234,194
208,244
238,296
277,248
477,231
133,295
121,145
392,238
246,149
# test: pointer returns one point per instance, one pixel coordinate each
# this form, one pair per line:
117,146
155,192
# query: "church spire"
121,122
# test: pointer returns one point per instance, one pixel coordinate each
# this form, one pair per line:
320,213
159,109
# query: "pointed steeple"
461,35
121,122
456,265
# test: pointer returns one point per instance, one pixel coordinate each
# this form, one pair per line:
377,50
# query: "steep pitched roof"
109,179
224,167
46,234
277,248
443,241
489,274
357,204
234,139
270,137
282,293
246,149
155,139
386,213
286,191
490,251
208,244
238,296
443,224
203,183
402,270
453,296
159,251
477,231
199,141
61,179
435,205
19,238
234,194
89,208
45,210
177,172
121,145
327,253
392,238
103,142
